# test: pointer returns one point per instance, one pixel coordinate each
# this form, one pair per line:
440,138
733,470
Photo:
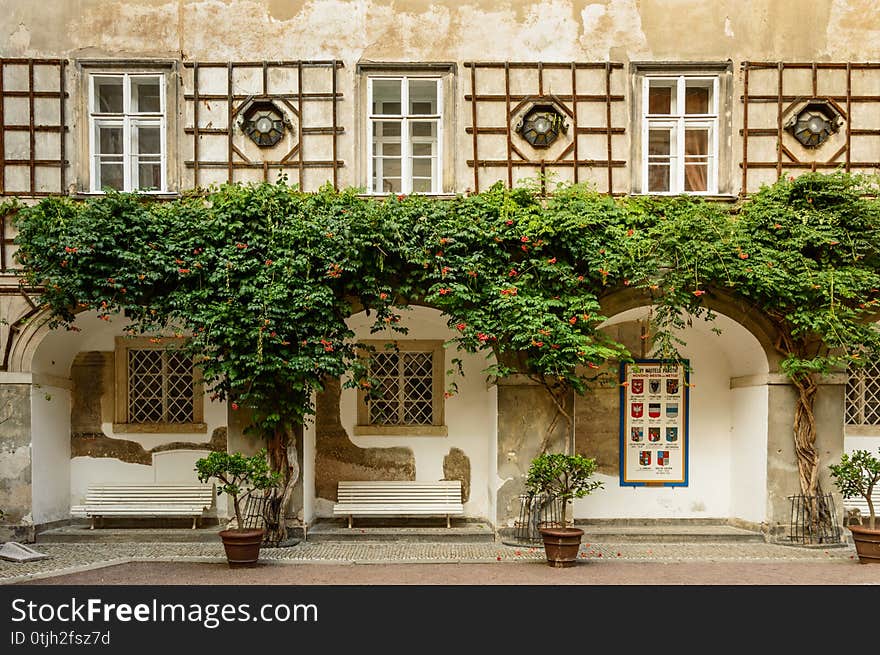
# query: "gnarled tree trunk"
284,458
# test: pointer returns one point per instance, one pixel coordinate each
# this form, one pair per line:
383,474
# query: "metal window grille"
863,396
160,386
405,394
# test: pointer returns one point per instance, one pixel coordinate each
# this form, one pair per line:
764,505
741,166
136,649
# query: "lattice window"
158,389
863,396
407,388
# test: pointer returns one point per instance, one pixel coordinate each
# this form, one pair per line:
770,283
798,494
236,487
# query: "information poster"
653,421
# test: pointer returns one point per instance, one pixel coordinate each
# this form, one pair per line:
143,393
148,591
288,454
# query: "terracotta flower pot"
561,545
867,543
242,546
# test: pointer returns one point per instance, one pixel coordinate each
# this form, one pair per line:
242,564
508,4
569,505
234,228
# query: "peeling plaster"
338,458
87,444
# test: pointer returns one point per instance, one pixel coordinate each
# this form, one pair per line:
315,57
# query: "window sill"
174,428
401,430
159,195
718,197
861,430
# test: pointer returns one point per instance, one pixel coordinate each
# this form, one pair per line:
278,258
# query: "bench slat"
398,498
123,499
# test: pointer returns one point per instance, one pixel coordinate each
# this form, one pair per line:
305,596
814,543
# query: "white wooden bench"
399,498
146,500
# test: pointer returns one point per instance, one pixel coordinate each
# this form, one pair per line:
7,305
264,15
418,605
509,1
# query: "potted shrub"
563,477
238,475
856,475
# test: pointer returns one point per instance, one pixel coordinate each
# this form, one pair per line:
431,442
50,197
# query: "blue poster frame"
685,363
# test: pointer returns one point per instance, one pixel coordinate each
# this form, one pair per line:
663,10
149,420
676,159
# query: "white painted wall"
308,472
50,453
469,415
54,357
727,436
748,471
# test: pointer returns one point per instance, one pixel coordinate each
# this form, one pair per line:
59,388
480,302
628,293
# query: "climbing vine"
257,281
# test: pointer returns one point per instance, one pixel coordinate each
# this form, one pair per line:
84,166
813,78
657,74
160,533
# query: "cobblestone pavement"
67,558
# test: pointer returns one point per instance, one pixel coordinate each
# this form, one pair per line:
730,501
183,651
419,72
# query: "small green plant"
237,474
856,475
562,476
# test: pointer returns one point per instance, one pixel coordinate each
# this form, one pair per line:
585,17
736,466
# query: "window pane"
660,141
390,166
421,185
388,149
109,140
423,129
695,177
108,95
661,97
423,149
423,97
110,175
386,128
145,95
149,175
422,167
697,97
658,177
386,97
146,140
696,142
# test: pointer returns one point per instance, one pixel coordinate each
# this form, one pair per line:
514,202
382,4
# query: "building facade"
706,98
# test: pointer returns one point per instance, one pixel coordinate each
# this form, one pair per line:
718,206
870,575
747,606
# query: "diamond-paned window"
405,395
863,396
160,386
406,389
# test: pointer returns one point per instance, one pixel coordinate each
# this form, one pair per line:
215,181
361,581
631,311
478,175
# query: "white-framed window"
405,134
127,131
863,396
680,134
406,395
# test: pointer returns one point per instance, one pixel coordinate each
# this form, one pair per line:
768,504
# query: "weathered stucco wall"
419,31
15,460
461,454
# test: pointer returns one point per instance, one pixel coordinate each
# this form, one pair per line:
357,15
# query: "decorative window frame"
856,397
121,419
720,182
438,428
86,71
445,73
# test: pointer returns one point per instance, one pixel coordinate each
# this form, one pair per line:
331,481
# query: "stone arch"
729,418
732,306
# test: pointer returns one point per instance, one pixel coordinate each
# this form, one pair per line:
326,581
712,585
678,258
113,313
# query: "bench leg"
92,526
448,524
195,518
349,520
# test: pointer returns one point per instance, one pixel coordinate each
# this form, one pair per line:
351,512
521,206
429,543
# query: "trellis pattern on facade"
29,91
598,122
827,81
290,98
